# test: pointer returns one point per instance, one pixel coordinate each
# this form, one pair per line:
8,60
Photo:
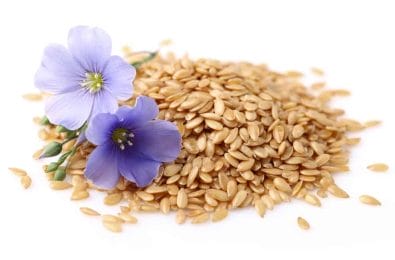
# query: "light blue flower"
84,79
130,143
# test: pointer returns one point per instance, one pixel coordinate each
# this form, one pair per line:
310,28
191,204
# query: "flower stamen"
122,137
93,82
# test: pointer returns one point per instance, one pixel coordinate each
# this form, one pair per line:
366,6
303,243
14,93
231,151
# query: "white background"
352,40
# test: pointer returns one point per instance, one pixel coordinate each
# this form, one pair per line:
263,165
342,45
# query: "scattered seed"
115,227
79,195
26,181
32,96
378,167
145,196
312,199
337,192
367,199
113,199
317,71
18,171
89,211
60,185
111,218
126,217
372,123
303,224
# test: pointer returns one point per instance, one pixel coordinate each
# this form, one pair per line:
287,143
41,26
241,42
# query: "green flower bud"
52,149
44,121
71,134
61,129
52,167
60,174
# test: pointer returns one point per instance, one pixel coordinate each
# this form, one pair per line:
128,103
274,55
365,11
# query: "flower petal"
118,76
100,128
158,140
91,46
59,71
103,102
144,110
135,168
102,167
70,110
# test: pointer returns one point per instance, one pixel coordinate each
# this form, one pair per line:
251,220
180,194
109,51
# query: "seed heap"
251,137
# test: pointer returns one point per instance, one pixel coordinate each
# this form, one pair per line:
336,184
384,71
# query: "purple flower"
85,79
130,143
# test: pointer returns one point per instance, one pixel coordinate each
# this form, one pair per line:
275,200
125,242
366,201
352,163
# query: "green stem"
72,152
69,139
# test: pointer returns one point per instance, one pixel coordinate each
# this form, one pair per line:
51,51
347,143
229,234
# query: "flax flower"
130,143
84,78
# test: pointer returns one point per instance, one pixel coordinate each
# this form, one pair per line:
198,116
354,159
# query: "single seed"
18,171
26,181
282,185
60,185
367,199
113,199
182,199
310,172
239,198
79,195
253,131
165,205
303,224
200,218
115,227
245,165
219,214
378,167
32,96
372,123
278,133
218,194
297,131
219,106
126,217
89,211
268,201
111,218
337,192
312,199
214,124
260,207
181,216
145,196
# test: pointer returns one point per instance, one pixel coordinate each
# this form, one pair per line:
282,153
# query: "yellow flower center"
93,81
